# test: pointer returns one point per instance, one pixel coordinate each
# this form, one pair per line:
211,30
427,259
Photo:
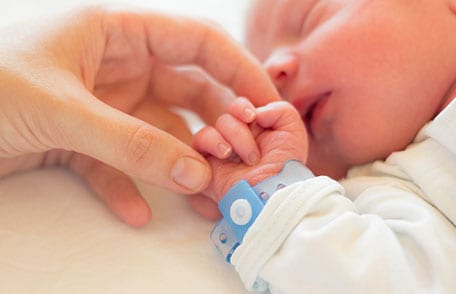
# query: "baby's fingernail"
224,149
249,114
190,173
253,157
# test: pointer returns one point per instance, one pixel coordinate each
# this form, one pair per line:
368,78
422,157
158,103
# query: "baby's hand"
251,144
231,130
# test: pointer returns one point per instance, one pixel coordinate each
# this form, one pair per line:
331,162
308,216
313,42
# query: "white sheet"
57,237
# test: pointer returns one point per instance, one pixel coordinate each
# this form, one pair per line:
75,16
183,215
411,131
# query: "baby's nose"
282,68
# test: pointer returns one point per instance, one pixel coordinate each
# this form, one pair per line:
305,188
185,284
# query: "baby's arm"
310,237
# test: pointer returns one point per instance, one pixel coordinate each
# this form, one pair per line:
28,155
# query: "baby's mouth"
310,107
307,116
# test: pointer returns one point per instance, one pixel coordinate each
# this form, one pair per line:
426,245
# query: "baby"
369,86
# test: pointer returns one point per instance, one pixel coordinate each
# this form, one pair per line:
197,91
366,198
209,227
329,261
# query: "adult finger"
191,88
115,188
93,128
205,206
163,118
178,40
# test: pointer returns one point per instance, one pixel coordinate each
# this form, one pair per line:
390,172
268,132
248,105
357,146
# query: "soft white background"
229,13
57,237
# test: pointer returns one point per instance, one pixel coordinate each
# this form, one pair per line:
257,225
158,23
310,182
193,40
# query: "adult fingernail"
189,173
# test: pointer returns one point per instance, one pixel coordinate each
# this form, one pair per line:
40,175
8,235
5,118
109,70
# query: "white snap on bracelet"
241,205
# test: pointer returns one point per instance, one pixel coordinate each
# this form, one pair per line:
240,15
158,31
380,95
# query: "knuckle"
139,146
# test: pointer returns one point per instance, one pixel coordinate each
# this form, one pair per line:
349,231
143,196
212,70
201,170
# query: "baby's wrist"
243,202
260,174
263,173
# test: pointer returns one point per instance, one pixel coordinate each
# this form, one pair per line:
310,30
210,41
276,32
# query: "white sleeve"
310,238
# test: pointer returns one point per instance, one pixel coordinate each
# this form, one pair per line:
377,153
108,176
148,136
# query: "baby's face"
365,75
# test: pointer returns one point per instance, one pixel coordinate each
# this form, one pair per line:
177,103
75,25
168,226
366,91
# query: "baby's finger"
240,138
243,109
209,141
279,115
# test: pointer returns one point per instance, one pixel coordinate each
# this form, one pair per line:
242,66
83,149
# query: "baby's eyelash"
308,20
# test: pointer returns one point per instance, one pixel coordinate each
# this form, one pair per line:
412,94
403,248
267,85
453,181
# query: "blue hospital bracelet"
242,204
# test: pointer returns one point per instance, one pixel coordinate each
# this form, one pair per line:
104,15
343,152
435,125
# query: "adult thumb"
134,147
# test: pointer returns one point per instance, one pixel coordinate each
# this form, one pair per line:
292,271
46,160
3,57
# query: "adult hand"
72,89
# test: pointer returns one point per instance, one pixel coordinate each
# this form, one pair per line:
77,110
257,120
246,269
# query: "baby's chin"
333,173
